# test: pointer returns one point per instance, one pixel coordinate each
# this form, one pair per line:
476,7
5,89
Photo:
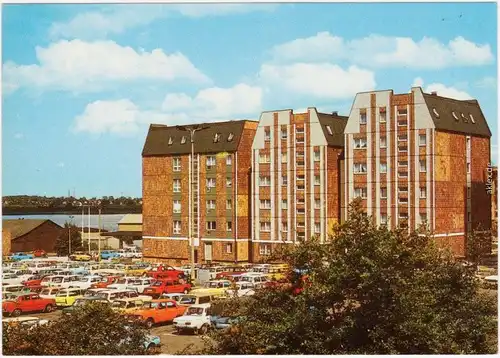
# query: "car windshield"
83,279
57,279
90,294
157,283
246,278
45,291
188,300
194,311
80,302
120,304
150,305
211,285
62,294
102,295
122,281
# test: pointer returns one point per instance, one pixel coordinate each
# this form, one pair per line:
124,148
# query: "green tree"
478,245
369,291
62,241
94,329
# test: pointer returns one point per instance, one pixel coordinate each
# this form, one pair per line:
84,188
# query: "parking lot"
171,342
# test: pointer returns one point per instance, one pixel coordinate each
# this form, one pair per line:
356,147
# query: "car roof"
163,300
201,305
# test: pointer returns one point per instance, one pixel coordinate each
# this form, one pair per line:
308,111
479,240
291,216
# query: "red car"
105,282
166,286
29,302
34,280
39,253
167,272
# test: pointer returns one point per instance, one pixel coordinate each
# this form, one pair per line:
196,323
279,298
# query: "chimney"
335,113
434,93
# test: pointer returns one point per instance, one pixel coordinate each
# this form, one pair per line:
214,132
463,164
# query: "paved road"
172,343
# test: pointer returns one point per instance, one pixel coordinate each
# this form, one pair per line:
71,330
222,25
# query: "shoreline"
93,211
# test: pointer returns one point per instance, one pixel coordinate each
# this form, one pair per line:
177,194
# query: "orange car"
157,311
106,281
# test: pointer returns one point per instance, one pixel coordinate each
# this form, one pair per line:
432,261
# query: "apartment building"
205,196
418,158
296,171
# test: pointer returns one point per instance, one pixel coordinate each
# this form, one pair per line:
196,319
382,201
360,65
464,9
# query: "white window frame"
209,205
382,190
301,187
211,225
383,219
265,226
264,249
383,168
229,160
403,123
404,191
301,224
363,118
265,204
177,227
284,226
284,133
176,207
267,135
229,204
402,176
382,116
211,183
383,142
401,165
402,200
301,201
176,188
317,203
284,180
402,138
284,157
299,130
401,217
317,180
317,156
422,217
403,149
317,228
423,168
264,158
357,168
176,163
265,181
329,130
359,143
422,140
284,204
468,168
229,248
423,192
229,182
229,226
403,110
361,193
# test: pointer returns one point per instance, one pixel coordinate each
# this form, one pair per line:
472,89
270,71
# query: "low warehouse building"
31,234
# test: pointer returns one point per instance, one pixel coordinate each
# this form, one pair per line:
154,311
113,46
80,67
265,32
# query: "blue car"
152,342
21,256
106,254
224,322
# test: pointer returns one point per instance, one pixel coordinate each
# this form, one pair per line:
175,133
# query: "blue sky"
81,83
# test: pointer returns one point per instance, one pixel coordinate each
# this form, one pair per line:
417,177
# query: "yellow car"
68,296
126,305
135,270
80,256
214,287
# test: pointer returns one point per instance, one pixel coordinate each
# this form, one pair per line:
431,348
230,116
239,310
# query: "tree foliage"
62,242
94,329
478,245
370,291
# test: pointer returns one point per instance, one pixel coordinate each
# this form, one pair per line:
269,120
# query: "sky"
82,83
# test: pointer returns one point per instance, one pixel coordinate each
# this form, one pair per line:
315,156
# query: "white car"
122,283
243,288
86,281
11,279
196,318
130,253
256,278
23,274
113,295
49,292
173,296
139,284
29,322
54,280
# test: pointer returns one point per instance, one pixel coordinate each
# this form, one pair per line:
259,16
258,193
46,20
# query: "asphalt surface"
171,342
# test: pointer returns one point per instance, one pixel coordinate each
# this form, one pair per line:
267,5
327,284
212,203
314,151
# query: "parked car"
108,254
216,287
23,275
127,305
167,286
173,296
82,301
196,318
140,284
80,256
11,279
122,283
49,292
258,279
92,292
158,311
112,295
137,270
39,253
15,288
165,271
26,321
105,282
86,281
29,302
21,256
198,298
242,288
224,322
35,280
68,296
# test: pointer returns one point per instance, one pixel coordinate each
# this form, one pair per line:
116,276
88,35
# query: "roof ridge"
470,101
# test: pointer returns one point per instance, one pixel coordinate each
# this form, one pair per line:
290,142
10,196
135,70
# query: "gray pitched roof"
337,124
157,140
446,121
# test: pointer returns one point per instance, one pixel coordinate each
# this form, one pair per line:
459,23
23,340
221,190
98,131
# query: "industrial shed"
31,234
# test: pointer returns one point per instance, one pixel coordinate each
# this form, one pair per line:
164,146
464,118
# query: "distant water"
108,221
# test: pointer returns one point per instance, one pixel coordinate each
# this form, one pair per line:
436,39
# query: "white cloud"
86,66
217,102
117,19
385,51
123,117
487,82
19,136
322,80
442,90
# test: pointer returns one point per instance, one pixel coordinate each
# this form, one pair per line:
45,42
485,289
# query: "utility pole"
69,235
99,237
89,231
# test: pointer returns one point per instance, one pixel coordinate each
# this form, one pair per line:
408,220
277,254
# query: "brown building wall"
43,237
6,238
481,199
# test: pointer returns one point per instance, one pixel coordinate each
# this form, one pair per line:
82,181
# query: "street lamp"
69,235
99,236
192,130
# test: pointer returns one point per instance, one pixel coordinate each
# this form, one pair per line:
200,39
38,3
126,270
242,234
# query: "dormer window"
472,118
183,139
230,137
216,137
329,130
434,110
464,118
170,141
454,115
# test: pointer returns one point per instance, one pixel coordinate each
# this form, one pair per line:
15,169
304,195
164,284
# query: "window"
383,219
402,122
301,177
383,193
284,157
383,142
265,181
267,135
265,249
177,227
299,130
177,164
211,225
402,112
329,130
229,248
265,204
229,204
468,168
454,115
403,216
177,206
316,180
229,160
434,110
423,192
216,137
468,192
300,155
317,228
210,183
362,118
359,143
229,225
210,204
402,174
284,226
177,185
317,156
299,139
423,217
402,138
403,148
359,168
264,158
403,200
422,140
464,118
300,224
300,187
403,163
423,168
170,141
265,226
229,183
382,114
317,204
284,180
284,204
360,193
403,189
183,139
210,161
472,118
230,137
383,167
469,216
284,133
